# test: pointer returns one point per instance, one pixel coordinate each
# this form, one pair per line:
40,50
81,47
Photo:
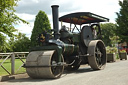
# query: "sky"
28,9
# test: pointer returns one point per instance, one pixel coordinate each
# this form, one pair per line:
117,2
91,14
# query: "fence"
12,56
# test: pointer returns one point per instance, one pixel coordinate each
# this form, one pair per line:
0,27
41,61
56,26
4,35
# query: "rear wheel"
97,52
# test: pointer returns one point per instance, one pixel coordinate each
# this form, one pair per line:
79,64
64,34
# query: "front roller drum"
97,59
44,64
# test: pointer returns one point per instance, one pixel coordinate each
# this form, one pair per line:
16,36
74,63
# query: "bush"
122,51
111,49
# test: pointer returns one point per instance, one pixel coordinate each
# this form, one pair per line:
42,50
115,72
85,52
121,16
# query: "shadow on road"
81,70
28,79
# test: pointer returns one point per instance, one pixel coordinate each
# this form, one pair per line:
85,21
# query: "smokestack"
55,21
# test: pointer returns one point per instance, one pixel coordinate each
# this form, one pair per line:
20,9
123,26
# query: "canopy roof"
80,18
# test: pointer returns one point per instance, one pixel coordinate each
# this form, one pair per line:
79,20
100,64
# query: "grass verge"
7,65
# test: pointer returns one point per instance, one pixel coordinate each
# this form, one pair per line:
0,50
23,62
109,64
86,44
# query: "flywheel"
44,64
97,55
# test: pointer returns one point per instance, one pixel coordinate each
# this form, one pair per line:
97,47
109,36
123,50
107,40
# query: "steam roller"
68,47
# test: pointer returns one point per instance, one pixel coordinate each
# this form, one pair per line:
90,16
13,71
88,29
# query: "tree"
20,43
7,19
41,24
122,21
108,33
3,44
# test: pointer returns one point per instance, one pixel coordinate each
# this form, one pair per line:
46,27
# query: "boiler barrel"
70,49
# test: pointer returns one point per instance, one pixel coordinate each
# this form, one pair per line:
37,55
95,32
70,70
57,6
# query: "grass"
7,65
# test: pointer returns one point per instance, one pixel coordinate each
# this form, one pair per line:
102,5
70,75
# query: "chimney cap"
55,6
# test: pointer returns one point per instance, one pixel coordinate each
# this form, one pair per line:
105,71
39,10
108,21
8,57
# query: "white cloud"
36,1
27,17
26,29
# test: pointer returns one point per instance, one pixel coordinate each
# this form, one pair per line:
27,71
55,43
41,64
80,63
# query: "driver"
94,32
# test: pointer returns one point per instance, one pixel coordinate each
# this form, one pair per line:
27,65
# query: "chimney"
55,21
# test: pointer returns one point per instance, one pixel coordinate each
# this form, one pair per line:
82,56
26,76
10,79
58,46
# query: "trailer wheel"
97,59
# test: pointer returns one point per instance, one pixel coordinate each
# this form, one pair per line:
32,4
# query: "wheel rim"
56,69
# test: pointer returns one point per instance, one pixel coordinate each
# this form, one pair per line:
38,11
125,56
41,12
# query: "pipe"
55,21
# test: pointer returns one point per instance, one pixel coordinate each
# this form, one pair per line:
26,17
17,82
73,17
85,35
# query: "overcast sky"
28,9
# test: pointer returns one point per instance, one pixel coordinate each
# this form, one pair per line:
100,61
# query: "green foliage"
7,19
19,44
111,49
3,44
108,33
123,51
122,21
41,24
114,41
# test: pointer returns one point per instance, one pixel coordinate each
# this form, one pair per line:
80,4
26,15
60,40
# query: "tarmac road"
114,74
